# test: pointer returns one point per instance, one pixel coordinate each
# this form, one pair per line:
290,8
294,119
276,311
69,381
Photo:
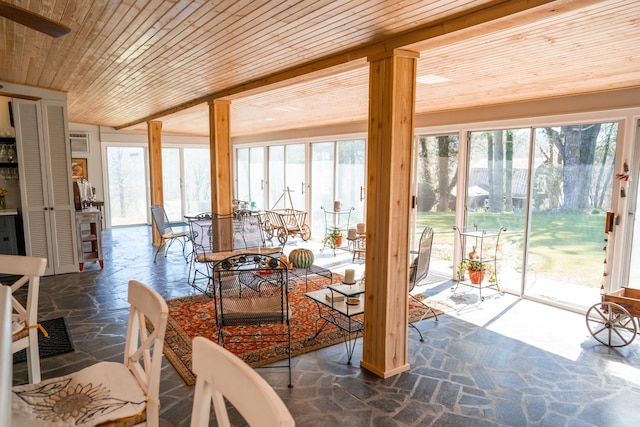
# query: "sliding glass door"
186,181
435,178
287,182
172,183
496,192
196,167
571,193
337,174
350,176
323,193
250,179
336,171
550,188
128,185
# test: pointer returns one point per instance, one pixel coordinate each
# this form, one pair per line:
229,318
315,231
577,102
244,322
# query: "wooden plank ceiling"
128,61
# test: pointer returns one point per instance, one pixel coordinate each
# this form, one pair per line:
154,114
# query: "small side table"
89,232
357,245
333,308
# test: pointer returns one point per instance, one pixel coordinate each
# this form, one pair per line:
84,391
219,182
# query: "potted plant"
333,239
475,268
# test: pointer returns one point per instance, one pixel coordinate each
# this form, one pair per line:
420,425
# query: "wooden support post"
221,179
392,80
154,131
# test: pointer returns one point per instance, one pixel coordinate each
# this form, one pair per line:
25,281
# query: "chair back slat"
143,350
420,269
6,368
252,289
222,375
25,312
160,219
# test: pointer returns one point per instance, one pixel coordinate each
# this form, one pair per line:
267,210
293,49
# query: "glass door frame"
623,264
617,259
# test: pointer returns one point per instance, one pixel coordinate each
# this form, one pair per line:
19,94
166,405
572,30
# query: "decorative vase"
476,276
2,203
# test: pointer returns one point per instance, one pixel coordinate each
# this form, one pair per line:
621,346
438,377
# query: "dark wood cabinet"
8,235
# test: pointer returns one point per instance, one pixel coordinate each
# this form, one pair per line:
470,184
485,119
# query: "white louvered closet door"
45,183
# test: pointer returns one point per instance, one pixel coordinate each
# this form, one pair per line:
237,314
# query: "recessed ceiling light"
432,79
269,119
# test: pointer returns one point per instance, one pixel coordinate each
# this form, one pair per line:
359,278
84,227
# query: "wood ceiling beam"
350,59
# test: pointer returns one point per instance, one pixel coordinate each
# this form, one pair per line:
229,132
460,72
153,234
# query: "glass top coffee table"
341,305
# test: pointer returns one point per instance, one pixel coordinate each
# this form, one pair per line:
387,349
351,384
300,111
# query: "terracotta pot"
476,276
338,241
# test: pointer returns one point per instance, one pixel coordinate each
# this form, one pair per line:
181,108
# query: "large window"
197,180
250,177
186,183
435,177
336,171
550,187
572,183
128,185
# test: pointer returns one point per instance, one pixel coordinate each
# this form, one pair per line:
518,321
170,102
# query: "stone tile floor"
501,362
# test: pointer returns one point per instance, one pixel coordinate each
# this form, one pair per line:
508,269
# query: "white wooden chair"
6,366
110,393
222,375
24,318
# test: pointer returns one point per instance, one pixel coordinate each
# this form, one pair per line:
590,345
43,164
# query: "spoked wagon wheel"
306,232
268,229
611,324
282,236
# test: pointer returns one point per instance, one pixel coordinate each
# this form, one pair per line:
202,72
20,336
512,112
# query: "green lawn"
567,245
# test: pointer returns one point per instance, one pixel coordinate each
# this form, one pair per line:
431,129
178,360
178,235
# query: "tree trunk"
605,173
443,173
578,155
497,189
508,175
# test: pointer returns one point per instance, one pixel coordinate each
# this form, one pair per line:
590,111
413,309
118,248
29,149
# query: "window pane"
256,177
572,184
295,175
496,190
276,176
436,176
128,182
350,178
197,177
171,183
242,173
322,157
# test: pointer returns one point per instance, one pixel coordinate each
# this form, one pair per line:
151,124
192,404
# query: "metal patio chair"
418,272
162,224
252,290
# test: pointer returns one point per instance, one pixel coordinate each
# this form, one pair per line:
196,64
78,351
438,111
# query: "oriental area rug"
194,316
